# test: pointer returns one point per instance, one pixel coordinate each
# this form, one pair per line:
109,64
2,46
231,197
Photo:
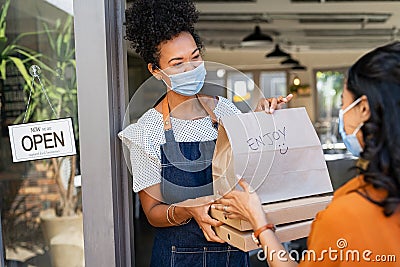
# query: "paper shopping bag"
278,154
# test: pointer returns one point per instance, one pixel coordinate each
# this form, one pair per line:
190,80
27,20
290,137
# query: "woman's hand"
242,204
269,105
205,222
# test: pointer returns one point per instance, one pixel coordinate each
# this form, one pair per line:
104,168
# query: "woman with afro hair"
172,144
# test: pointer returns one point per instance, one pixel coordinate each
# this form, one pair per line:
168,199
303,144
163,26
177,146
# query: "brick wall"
26,190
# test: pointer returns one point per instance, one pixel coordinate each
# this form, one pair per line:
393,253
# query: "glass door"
40,200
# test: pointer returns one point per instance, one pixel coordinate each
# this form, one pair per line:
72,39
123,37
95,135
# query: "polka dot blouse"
144,138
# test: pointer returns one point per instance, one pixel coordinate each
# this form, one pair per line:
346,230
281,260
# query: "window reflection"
32,193
329,84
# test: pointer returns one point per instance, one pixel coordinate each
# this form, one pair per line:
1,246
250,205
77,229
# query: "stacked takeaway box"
281,157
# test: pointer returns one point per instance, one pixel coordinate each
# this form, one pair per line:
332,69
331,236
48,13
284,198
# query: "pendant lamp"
290,61
296,80
256,37
277,52
299,67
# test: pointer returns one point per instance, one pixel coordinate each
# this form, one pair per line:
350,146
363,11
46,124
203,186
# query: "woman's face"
354,116
177,55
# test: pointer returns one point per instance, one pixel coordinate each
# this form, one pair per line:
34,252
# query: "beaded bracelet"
168,219
173,217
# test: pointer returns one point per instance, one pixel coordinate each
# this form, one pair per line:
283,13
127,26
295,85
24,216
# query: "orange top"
352,231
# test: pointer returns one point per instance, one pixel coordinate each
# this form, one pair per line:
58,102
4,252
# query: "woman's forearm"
162,215
159,214
274,252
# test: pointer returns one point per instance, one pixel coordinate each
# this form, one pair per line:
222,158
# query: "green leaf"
3,40
4,11
3,69
21,68
61,90
59,45
58,23
49,37
24,34
34,58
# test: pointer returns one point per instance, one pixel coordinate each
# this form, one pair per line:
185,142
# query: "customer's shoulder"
348,203
351,186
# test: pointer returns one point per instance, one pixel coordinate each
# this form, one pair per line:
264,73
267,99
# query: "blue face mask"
350,140
188,83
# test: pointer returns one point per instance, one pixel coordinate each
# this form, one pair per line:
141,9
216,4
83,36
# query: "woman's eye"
196,57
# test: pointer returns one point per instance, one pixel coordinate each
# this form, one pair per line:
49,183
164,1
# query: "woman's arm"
156,213
155,210
246,205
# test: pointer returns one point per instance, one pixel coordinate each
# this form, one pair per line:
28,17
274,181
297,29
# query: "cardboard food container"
244,241
281,213
281,157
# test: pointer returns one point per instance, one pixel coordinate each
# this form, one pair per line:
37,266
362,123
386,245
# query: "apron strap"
167,118
165,112
208,110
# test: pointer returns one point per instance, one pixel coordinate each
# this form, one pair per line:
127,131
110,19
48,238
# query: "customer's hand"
269,105
242,204
205,222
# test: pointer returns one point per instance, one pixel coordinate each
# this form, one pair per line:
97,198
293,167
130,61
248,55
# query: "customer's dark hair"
377,75
151,22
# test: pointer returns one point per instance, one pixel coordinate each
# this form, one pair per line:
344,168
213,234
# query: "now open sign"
41,140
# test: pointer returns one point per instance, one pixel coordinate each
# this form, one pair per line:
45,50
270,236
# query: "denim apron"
186,173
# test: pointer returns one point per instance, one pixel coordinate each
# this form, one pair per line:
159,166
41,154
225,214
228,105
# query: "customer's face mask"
187,83
350,140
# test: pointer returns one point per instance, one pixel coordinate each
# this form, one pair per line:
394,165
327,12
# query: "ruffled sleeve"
143,141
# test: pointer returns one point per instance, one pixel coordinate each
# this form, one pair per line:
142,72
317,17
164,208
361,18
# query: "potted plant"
301,89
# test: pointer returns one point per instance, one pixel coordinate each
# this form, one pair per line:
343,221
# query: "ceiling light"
296,81
257,37
221,73
299,67
290,61
277,52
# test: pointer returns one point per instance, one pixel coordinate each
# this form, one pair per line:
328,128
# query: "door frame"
102,98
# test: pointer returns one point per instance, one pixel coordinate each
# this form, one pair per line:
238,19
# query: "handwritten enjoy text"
269,139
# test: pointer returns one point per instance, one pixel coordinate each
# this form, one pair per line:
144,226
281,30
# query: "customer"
171,145
364,216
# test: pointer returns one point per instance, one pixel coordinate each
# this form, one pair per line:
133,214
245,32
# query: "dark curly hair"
377,75
151,22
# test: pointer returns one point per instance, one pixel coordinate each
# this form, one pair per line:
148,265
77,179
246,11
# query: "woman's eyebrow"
175,58
180,58
194,51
